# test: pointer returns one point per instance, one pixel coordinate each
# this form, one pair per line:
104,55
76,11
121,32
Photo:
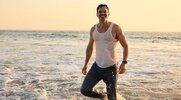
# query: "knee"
84,91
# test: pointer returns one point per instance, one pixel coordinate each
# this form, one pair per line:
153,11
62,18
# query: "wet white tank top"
105,45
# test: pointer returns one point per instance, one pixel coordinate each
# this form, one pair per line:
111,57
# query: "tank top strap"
110,27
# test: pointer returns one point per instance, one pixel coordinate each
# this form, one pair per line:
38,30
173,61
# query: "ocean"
46,65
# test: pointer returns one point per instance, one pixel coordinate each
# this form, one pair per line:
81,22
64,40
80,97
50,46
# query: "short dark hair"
102,5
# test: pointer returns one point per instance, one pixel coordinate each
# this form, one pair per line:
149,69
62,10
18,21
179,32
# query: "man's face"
102,13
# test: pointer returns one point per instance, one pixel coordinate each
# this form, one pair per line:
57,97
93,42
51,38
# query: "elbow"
125,46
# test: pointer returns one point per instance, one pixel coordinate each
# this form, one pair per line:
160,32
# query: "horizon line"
81,30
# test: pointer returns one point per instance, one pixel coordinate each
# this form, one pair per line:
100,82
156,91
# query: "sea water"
46,65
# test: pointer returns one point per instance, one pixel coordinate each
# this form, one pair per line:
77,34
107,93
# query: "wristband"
124,62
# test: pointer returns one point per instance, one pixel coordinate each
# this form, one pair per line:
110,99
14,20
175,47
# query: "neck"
103,23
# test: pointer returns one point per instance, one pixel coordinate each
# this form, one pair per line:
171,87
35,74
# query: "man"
105,34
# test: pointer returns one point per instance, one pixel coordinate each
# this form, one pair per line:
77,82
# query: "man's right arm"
89,51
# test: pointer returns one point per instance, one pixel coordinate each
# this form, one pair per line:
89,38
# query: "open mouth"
102,16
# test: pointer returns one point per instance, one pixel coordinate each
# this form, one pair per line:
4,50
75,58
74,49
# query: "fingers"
122,70
84,71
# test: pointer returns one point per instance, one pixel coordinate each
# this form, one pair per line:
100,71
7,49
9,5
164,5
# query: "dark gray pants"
95,74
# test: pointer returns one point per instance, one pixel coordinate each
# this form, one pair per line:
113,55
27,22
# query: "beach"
46,65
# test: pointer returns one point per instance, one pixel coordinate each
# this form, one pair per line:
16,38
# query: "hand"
84,70
122,69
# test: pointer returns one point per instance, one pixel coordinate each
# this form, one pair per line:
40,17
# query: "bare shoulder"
117,29
92,30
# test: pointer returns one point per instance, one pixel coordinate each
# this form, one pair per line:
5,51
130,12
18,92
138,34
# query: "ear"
97,14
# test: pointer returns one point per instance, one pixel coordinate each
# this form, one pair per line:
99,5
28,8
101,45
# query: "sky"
131,15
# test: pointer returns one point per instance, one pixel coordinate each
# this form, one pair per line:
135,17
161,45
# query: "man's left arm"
122,39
